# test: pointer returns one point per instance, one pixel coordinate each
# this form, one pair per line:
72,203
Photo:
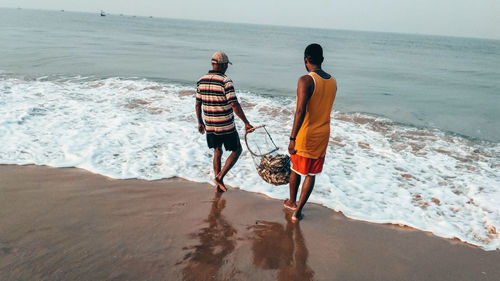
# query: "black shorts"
231,141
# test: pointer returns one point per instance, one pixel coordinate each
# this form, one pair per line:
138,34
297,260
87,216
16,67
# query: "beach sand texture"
69,224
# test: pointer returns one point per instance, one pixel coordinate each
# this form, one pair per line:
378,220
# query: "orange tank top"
314,134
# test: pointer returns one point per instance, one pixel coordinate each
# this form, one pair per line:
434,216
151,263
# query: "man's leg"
295,179
217,166
307,188
230,161
217,160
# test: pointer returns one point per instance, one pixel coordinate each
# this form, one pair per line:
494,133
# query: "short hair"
314,53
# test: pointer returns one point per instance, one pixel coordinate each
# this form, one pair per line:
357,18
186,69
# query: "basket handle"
253,153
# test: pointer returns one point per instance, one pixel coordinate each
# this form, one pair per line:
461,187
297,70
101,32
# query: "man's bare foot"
289,205
296,216
220,185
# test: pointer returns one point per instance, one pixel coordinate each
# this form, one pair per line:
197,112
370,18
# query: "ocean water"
415,128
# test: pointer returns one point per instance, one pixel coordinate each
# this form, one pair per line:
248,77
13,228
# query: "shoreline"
70,224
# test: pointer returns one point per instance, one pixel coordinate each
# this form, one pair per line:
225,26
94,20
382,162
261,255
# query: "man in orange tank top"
310,134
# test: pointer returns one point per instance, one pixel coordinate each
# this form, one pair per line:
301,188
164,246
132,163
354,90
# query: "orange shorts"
306,166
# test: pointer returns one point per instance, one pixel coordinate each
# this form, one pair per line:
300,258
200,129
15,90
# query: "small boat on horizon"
103,14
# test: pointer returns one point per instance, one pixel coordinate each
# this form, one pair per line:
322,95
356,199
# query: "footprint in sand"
175,207
172,209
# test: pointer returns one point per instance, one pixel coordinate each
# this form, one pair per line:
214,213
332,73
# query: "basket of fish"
272,167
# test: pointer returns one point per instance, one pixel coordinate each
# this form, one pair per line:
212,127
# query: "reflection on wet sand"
216,242
282,248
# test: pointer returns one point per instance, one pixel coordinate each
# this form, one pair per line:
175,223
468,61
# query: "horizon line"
261,24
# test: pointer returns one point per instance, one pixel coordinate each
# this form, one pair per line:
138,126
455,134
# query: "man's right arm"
231,98
239,112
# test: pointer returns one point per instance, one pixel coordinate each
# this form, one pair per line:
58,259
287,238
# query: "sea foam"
375,170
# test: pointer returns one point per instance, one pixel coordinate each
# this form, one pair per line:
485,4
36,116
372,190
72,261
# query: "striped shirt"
215,91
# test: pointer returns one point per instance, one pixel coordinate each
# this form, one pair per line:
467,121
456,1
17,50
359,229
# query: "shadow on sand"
217,240
277,247
282,248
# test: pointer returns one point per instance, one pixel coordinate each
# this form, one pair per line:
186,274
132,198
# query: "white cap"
220,58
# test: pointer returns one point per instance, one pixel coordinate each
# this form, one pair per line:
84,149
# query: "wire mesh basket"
272,167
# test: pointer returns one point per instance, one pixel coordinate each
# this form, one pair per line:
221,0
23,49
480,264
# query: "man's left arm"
305,88
201,124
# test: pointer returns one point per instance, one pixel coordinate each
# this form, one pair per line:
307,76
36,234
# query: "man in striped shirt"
215,95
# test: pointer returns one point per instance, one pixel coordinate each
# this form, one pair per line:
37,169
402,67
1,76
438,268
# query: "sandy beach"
69,224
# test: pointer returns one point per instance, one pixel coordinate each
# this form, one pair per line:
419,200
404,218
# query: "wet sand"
69,224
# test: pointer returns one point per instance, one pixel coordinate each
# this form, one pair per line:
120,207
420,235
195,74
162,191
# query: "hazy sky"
468,18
